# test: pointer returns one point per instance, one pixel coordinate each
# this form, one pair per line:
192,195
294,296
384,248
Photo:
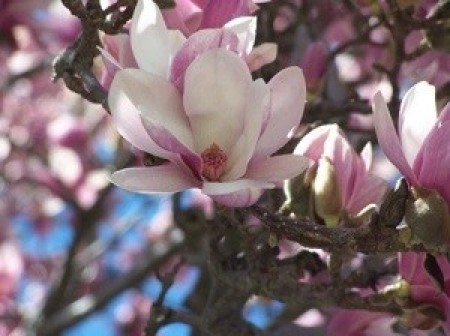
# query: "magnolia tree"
225,167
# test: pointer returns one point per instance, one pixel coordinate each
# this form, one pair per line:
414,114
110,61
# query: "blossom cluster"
180,88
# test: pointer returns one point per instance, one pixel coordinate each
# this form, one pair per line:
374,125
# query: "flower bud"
298,195
392,208
428,217
327,201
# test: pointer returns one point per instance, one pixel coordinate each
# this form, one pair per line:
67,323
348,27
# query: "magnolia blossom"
218,135
421,150
174,52
194,103
421,154
342,179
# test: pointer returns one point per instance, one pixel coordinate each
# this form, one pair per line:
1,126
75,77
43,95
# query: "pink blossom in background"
360,323
422,286
357,188
364,323
11,268
432,66
314,65
56,27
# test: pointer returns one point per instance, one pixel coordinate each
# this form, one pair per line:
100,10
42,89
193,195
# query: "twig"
77,310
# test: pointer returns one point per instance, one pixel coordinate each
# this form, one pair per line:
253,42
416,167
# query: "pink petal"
311,145
215,92
126,117
159,179
239,199
120,48
367,155
411,267
176,40
353,322
369,191
169,142
244,148
445,114
261,55
185,16
417,117
218,12
347,164
150,38
196,45
157,100
245,29
288,94
314,64
388,139
434,172
223,188
277,168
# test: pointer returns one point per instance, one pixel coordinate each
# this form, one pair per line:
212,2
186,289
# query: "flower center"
214,162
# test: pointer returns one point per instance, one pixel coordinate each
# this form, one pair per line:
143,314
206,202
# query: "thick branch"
307,233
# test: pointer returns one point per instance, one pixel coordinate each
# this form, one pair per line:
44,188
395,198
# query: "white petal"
158,101
367,156
150,39
159,179
277,168
417,117
215,90
245,29
288,95
127,120
222,188
244,148
388,139
177,40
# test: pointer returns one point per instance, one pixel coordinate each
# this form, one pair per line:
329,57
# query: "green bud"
428,217
298,195
392,208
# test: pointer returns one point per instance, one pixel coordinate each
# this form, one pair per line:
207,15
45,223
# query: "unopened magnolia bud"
392,208
327,200
428,217
298,195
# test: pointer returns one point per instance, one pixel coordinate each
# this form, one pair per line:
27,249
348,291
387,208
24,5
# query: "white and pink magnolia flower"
337,163
421,150
219,134
152,47
421,153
